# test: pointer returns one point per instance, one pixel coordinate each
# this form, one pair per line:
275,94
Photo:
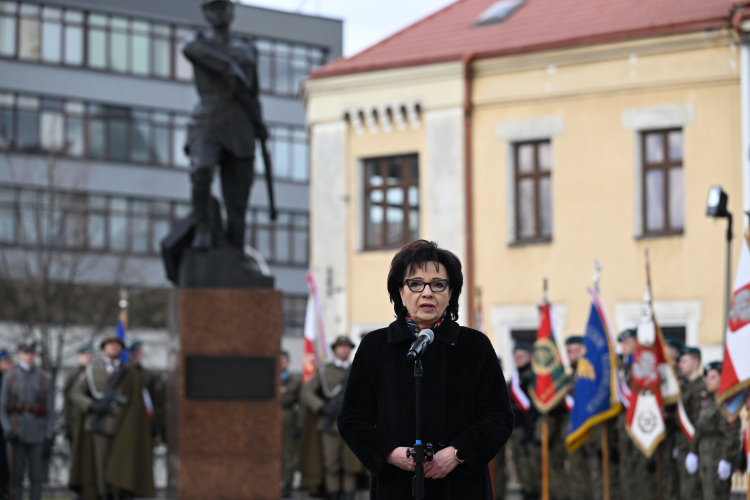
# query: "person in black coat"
466,412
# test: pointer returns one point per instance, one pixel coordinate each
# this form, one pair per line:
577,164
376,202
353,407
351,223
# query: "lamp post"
716,207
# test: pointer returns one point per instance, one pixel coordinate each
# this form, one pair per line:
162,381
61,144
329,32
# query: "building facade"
94,102
532,138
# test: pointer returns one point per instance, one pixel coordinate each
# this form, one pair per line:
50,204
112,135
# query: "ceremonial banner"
550,382
122,328
595,389
735,372
653,380
314,332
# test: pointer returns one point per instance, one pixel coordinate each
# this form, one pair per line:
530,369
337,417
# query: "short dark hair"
416,255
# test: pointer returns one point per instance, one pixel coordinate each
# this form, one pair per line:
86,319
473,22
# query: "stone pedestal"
228,446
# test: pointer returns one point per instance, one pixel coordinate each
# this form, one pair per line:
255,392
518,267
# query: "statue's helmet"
208,2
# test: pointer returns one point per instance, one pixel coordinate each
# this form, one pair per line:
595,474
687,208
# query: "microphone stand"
420,451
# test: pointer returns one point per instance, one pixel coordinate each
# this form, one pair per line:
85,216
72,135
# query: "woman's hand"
442,463
399,459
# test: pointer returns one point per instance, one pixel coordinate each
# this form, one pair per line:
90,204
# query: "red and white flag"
685,424
316,345
310,360
516,392
735,372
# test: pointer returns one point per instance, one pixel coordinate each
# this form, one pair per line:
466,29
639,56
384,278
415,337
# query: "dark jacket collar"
447,333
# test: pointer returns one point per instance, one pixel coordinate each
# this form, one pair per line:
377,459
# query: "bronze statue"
224,125
198,252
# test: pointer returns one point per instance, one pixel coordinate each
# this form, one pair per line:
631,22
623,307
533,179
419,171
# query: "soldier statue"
224,125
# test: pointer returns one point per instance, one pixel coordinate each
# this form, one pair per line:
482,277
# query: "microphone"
419,346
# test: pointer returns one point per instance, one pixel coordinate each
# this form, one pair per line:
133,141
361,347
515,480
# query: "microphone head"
430,334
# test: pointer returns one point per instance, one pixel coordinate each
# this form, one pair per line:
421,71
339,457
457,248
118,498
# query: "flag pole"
545,433
605,435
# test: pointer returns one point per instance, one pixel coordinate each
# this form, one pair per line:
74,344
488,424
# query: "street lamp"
716,207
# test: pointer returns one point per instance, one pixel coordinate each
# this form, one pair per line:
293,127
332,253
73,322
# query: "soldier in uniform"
27,415
6,365
71,414
524,444
669,466
112,458
693,391
500,466
715,443
322,396
225,124
628,452
291,385
580,478
152,387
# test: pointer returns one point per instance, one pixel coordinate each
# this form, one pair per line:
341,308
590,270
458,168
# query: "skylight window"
498,12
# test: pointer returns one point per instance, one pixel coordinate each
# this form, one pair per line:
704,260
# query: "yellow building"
531,138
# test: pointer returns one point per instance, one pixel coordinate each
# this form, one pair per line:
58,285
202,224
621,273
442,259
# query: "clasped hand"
442,463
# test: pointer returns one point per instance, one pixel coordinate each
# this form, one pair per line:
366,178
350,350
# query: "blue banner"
595,392
122,325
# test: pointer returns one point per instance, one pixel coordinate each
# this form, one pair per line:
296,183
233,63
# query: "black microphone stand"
420,451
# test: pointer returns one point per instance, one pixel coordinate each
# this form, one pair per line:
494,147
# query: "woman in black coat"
466,412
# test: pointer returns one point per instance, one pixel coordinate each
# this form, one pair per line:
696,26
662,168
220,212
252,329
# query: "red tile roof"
451,33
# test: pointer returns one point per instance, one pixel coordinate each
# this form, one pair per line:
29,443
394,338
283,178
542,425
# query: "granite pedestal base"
226,447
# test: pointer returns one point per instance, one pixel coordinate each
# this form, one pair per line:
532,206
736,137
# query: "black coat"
465,404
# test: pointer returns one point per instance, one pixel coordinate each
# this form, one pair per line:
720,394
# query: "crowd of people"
698,467
112,415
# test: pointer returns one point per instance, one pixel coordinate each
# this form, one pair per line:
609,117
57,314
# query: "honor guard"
524,444
323,396
71,413
580,478
291,385
154,394
26,413
670,479
628,451
715,443
112,457
693,390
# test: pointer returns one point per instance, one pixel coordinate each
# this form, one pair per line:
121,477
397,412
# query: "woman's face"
427,306
713,379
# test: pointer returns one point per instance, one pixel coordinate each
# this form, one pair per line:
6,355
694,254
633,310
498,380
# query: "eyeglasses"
417,286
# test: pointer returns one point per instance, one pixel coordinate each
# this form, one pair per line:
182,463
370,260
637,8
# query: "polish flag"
735,373
309,361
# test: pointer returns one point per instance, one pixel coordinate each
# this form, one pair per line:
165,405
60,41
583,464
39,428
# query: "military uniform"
113,455
524,443
593,447
319,395
26,413
580,478
71,413
715,440
692,395
500,465
154,397
291,385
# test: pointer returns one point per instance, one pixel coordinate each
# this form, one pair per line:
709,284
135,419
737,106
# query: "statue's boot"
202,239
347,496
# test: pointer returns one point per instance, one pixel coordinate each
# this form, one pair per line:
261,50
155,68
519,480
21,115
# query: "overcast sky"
365,21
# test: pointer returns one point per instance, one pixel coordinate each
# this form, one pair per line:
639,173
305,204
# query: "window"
676,332
663,183
391,201
293,311
282,242
134,46
533,191
527,336
288,147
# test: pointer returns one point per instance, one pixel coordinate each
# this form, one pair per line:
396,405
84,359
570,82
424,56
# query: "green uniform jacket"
715,438
71,413
130,464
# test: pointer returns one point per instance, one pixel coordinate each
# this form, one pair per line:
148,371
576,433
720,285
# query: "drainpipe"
469,265
740,15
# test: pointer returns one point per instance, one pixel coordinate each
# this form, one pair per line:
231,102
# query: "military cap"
27,345
342,340
713,365
574,339
135,346
4,354
285,353
85,349
113,338
626,334
522,346
673,342
693,351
